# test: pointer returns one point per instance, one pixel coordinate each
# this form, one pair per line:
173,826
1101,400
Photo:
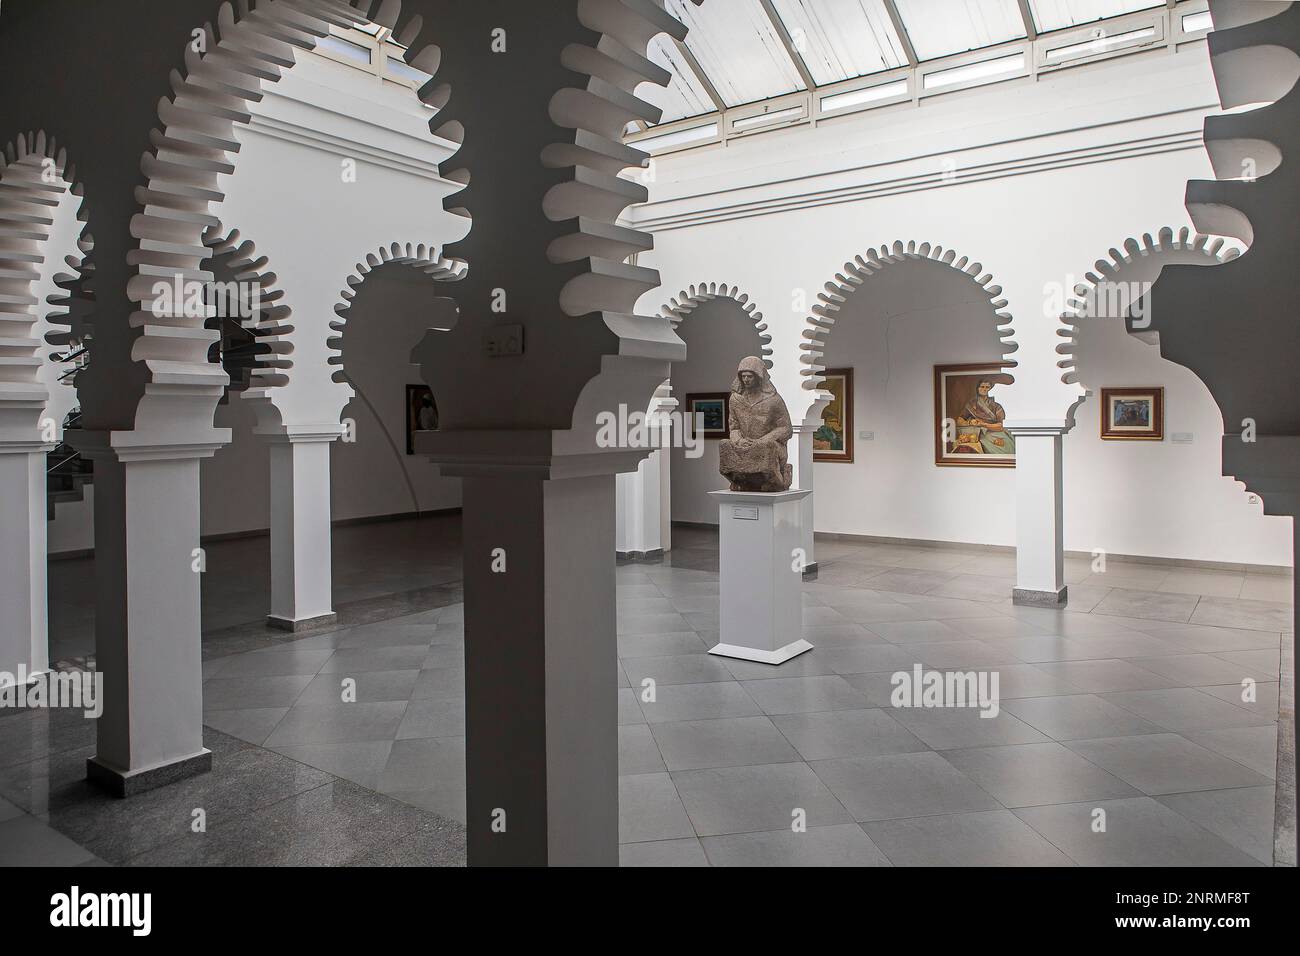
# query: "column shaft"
301,562
24,630
540,664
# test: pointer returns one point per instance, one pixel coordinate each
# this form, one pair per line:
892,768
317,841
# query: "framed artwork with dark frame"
714,408
833,441
1133,414
421,413
968,421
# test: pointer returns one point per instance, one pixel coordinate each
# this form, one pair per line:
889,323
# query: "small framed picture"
833,441
969,421
421,413
712,409
1133,414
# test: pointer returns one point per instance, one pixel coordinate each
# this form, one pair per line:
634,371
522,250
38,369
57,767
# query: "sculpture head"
751,376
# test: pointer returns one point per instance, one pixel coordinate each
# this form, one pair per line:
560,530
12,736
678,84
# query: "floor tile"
1138,831
901,785
332,725
1253,747
950,728
846,733
801,695
1252,615
676,669
840,846
726,742
26,841
1243,818
743,799
1183,709
637,751
1079,716
1165,763
699,702
1106,676
650,810
1027,775
986,838
685,852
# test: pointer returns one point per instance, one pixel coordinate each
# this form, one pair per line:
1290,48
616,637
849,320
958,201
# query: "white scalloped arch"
692,297
37,178
197,145
418,256
1185,248
856,273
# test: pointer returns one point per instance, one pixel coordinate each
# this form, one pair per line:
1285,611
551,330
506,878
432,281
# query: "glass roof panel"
1058,14
842,39
942,27
738,48
685,95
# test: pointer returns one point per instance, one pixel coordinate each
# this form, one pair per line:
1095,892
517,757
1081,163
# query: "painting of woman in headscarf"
970,424
833,440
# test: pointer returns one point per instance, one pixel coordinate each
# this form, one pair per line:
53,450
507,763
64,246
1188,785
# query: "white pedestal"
1040,538
761,576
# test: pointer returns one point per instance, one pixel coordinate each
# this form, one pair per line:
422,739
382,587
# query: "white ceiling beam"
694,66
896,19
1026,14
788,42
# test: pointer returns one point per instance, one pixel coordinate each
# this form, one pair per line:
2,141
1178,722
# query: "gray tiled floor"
1130,703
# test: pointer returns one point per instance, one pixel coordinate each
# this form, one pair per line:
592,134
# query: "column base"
810,572
306,624
128,783
635,557
1027,598
778,656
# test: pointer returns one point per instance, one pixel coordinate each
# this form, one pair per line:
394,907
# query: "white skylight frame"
933,25
1102,40
387,62
826,36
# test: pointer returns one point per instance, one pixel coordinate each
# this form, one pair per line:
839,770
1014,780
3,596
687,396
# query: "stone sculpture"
753,458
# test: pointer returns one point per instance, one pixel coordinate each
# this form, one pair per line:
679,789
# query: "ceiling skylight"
942,27
842,39
739,49
1058,14
685,95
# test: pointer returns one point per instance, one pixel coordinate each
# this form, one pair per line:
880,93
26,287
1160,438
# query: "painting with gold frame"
833,441
1133,414
713,409
969,429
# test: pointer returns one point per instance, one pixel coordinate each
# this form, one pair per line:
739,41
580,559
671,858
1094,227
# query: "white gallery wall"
1033,179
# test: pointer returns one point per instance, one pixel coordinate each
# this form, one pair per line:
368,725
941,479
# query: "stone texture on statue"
753,458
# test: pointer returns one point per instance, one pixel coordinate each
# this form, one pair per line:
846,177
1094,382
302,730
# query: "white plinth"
761,575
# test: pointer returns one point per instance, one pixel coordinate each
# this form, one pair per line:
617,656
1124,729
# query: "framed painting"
833,441
969,427
421,414
712,407
1133,414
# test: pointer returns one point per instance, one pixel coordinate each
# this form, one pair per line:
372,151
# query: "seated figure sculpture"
754,457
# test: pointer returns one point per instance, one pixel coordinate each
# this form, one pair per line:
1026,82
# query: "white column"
802,461
147,623
24,630
301,562
1040,553
643,497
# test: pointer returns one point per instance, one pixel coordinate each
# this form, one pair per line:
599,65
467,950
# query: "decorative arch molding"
855,274
692,297
418,256
270,326
1118,271
36,177
195,145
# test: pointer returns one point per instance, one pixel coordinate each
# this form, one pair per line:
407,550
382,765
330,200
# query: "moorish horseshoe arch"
271,325
37,179
855,273
195,146
1122,268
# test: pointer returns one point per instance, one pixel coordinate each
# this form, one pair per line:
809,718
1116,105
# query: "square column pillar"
24,629
540,659
302,583
147,611
1040,539
639,499
803,480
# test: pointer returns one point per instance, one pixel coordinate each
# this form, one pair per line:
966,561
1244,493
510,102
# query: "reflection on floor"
1130,702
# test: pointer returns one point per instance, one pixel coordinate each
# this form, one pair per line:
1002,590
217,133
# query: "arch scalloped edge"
196,144
271,326
37,178
421,256
854,273
1106,269
692,297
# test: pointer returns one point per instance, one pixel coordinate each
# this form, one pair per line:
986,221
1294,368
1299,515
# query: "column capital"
300,434
1037,426
18,446
529,453
135,446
